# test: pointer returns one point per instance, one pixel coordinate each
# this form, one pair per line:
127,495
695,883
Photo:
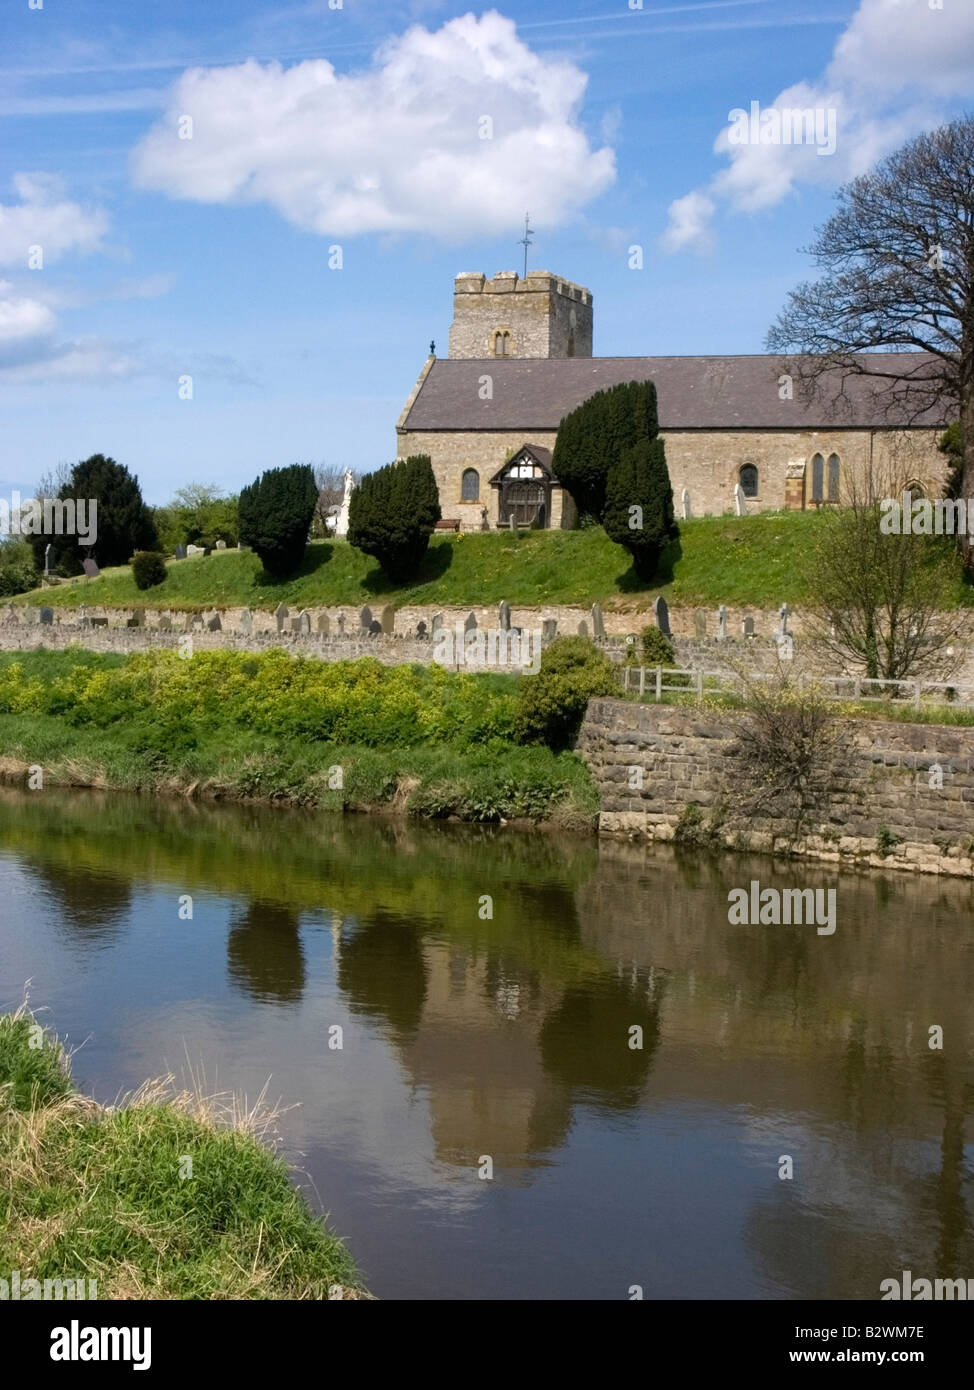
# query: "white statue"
341,522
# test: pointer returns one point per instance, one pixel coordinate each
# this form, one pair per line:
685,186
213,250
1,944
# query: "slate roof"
695,393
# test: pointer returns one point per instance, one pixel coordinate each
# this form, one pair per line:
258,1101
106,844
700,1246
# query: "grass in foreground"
717,559
101,1193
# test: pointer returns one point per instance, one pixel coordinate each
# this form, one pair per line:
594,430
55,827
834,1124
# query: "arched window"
818,478
502,343
749,480
916,490
470,485
833,477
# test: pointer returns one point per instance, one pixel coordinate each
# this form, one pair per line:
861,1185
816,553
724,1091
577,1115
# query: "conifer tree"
275,514
639,505
393,513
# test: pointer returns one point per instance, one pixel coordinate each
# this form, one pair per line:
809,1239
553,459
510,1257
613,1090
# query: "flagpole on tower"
526,241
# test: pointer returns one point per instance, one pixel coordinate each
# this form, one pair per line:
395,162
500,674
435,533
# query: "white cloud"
894,70
22,318
394,148
45,218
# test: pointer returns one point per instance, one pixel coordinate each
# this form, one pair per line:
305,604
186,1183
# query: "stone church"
738,437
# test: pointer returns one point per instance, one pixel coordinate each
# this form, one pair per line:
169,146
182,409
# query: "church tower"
539,315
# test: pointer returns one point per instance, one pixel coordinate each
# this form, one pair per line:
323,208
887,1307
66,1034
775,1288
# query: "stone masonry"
689,757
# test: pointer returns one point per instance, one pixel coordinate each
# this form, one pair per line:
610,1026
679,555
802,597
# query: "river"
563,1074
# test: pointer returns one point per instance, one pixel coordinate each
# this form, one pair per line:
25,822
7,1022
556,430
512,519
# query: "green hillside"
734,560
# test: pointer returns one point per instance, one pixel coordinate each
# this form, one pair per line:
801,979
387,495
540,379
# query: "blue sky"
360,126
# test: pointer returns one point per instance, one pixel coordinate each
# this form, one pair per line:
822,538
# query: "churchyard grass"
718,559
171,1194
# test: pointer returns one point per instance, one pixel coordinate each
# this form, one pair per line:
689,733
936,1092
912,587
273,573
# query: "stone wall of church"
705,462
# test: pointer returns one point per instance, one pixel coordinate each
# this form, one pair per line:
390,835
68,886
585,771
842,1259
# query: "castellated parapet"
538,315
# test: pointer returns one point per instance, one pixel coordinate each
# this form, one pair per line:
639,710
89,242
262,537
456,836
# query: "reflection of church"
738,436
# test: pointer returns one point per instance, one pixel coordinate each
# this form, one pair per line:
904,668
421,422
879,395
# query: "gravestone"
323,625
83,614
786,646
195,550
661,613
470,623
245,623
196,622
784,613
365,619
549,629
437,621
721,623
47,616
375,627
179,553
90,569
221,545
582,628
32,615
740,501
685,501
165,623
99,622
214,624
341,624
504,615
747,627
598,623
512,524
132,622
241,546
296,624
304,623
421,632
280,613
388,620
699,624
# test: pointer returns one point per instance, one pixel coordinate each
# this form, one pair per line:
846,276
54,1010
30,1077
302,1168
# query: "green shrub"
593,436
274,515
393,513
17,571
887,840
639,505
148,568
552,703
657,650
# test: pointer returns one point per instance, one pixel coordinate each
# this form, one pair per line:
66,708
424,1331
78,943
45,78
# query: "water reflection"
516,1037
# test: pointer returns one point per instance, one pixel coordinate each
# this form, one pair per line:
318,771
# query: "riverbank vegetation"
341,735
167,1195
717,559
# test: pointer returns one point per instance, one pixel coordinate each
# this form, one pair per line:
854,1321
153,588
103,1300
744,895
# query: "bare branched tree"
881,603
898,262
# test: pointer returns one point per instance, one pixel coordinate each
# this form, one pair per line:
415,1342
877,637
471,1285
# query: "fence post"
916,695
857,689
700,685
625,683
642,681
659,684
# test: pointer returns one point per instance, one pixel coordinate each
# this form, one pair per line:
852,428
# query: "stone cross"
784,613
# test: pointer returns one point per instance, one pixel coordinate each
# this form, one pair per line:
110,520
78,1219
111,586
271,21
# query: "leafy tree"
148,569
275,514
18,573
552,704
122,521
199,514
593,436
898,263
393,513
639,505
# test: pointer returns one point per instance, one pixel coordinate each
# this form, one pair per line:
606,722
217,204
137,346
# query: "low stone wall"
687,757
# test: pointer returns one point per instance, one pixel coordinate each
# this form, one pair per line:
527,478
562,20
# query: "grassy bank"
718,559
341,736
105,1193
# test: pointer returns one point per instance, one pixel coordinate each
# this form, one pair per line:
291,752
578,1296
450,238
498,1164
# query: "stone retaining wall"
690,757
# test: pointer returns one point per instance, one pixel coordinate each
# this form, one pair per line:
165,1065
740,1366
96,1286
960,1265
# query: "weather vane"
525,241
